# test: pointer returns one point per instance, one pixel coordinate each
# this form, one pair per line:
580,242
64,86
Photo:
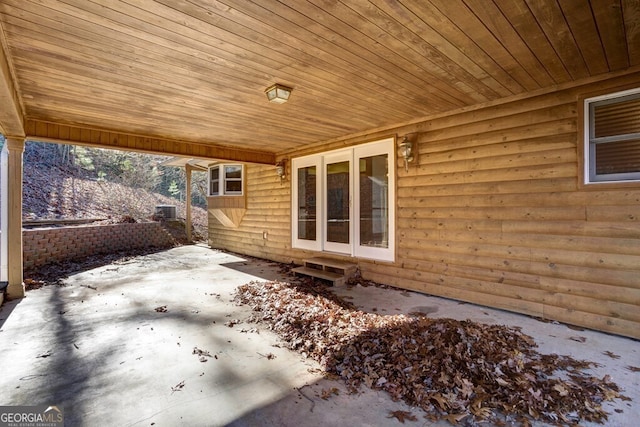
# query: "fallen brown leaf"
31,284
268,356
45,354
455,418
177,387
325,394
232,323
202,354
402,415
611,355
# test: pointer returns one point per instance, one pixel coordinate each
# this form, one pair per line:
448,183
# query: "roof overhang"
189,78
182,162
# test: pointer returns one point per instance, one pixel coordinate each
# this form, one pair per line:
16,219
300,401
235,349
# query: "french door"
343,201
337,207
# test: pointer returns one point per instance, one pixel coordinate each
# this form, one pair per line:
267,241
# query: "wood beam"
11,114
66,134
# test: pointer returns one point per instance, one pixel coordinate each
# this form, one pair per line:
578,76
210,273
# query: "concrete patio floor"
98,348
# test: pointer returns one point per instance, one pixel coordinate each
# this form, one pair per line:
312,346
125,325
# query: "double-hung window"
343,201
225,180
612,137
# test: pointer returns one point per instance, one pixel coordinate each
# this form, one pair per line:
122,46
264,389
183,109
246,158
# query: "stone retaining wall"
46,246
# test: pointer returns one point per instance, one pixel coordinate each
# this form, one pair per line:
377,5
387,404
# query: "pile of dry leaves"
461,371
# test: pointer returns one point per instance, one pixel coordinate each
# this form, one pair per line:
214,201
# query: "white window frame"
354,154
590,141
222,180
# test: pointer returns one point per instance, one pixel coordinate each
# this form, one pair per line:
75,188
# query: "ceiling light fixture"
278,93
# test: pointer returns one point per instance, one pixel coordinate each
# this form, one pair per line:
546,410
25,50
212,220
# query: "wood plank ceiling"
196,70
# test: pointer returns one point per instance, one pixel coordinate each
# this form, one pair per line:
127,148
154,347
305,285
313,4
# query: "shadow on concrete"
327,402
69,376
264,269
6,309
79,365
55,273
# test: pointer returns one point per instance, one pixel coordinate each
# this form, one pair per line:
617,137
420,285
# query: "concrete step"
334,271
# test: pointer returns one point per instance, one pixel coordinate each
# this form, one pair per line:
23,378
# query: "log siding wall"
493,212
267,210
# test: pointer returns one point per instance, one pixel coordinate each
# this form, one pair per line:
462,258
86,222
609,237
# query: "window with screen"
613,137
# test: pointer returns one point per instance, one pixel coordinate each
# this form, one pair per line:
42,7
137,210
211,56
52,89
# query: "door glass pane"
374,201
338,202
214,181
307,203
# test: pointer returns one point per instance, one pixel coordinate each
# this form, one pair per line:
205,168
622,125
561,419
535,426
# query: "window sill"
608,185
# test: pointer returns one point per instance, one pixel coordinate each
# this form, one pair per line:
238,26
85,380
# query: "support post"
4,214
4,223
15,150
188,169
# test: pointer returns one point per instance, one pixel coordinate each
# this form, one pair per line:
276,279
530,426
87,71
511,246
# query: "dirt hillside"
56,191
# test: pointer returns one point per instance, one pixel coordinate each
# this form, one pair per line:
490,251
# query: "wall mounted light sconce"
281,170
278,94
405,150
